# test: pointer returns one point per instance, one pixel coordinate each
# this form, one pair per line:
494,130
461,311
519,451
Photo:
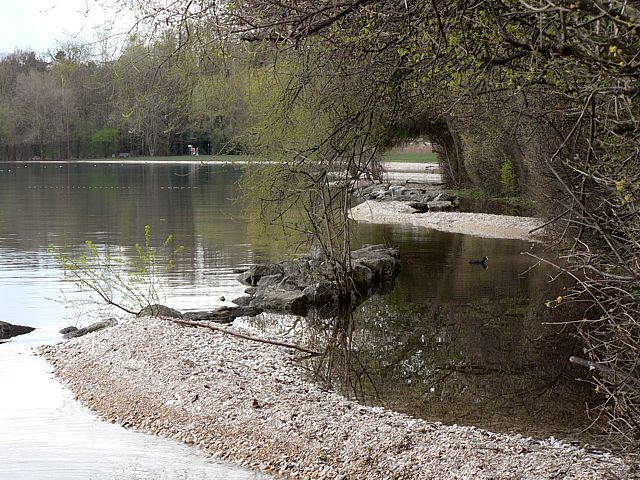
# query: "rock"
242,301
223,314
269,281
381,260
440,206
70,329
281,300
445,197
322,295
397,190
252,276
8,330
419,207
159,311
94,327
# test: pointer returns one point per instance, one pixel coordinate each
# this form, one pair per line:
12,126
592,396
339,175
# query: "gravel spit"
480,224
249,402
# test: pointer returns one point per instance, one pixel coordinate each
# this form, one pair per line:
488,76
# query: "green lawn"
429,157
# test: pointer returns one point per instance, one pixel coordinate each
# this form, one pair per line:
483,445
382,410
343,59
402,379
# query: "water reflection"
455,342
45,434
452,342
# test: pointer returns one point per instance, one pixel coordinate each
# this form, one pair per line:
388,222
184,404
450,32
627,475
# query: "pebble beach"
250,403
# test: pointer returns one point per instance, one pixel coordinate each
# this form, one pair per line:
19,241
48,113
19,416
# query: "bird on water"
482,262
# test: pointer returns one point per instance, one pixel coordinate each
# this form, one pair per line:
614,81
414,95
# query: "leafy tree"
548,85
105,141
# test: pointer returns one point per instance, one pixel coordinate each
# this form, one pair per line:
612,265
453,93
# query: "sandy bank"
248,402
479,224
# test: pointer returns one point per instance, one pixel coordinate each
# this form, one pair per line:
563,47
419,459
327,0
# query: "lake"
452,342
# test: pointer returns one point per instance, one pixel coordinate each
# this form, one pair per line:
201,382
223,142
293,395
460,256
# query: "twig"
242,335
551,221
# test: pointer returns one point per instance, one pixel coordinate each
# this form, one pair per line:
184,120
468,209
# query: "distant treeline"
154,99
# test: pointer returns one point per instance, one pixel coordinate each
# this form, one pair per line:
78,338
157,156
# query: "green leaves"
130,282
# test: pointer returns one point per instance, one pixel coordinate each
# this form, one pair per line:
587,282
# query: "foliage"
130,283
549,85
105,141
509,179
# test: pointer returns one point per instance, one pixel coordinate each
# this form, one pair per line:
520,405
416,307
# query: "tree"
37,106
105,141
550,86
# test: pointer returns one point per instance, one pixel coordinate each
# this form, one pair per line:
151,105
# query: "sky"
39,24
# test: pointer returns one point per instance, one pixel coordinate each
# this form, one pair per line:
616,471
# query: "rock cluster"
295,286
248,402
422,198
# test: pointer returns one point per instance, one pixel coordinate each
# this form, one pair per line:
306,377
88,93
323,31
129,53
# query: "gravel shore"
248,402
479,224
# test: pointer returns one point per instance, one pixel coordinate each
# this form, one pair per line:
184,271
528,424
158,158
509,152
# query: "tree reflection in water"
491,364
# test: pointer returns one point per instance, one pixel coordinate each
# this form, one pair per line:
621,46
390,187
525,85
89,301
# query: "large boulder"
8,330
281,300
381,260
252,276
322,295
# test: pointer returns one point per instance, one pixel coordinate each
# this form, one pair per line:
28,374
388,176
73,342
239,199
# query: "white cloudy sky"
39,24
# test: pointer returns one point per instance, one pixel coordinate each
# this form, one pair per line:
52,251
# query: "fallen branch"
189,323
609,373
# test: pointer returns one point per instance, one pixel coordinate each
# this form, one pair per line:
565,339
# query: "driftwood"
607,372
189,323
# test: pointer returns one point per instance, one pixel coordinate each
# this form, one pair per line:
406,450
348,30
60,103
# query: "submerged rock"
8,330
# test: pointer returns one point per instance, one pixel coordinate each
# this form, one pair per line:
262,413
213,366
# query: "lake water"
453,341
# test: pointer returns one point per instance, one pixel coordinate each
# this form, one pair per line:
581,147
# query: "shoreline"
249,403
479,224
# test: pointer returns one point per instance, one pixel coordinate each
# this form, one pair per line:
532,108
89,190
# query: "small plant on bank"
509,179
129,283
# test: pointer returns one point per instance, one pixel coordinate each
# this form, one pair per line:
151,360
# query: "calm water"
44,433
453,341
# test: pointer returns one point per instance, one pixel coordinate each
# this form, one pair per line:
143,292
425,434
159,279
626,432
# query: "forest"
535,99
149,101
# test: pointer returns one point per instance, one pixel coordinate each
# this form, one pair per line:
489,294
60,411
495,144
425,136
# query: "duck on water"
482,262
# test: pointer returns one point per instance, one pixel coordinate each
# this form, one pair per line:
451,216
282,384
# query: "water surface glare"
44,432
